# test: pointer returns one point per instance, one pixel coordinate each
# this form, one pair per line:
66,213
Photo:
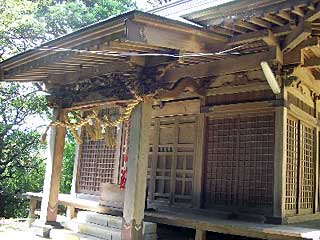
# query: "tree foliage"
21,162
68,161
25,24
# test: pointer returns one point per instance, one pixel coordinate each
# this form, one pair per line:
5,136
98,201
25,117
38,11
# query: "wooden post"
316,180
135,192
280,156
316,153
32,209
199,161
71,213
200,234
75,173
49,205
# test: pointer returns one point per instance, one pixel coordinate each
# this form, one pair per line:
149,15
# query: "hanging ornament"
94,124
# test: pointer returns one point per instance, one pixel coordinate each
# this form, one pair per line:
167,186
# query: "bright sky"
142,4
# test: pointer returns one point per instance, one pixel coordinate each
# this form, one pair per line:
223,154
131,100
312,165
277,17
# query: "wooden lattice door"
171,160
300,168
307,170
98,163
239,162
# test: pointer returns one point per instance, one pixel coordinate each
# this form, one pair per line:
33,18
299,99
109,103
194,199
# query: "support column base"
43,229
131,231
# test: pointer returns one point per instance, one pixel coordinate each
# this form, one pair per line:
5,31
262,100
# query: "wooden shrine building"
225,110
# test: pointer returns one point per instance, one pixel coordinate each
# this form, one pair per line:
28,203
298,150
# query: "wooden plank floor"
200,219
234,227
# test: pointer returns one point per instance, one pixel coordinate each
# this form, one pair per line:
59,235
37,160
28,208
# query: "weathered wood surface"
137,165
280,156
49,207
200,235
73,201
206,221
111,195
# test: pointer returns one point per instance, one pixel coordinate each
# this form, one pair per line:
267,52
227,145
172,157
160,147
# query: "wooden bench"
71,202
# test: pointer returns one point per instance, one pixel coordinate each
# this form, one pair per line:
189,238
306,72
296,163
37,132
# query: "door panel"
171,159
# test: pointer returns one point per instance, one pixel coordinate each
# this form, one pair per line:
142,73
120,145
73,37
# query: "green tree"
21,161
25,23
68,162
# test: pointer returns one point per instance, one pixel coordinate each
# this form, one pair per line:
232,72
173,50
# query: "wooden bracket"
298,35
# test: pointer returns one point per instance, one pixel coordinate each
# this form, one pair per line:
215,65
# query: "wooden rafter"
313,14
298,11
259,35
294,56
260,22
228,66
299,34
246,25
274,19
285,15
240,10
90,72
311,63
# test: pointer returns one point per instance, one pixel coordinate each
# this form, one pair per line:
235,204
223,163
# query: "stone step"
99,219
72,225
99,231
70,235
111,221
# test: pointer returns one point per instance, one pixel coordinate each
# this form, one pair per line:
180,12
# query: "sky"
142,4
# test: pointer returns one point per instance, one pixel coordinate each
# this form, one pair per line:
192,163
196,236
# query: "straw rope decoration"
96,128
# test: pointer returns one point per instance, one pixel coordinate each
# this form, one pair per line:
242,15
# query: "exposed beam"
313,15
274,19
246,25
240,10
311,63
298,11
260,22
222,31
169,37
294,56
230,26
248,37
220,67
298,35
67,78
285,15
89,38
273,41
259,35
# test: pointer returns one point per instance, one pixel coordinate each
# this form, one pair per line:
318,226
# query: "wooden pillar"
316,152
280,156
32,209
49,205
75,173
200,234
135,192
199,161
71,213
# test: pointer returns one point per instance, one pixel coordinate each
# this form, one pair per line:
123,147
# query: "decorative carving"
184,85
92,89
116,85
